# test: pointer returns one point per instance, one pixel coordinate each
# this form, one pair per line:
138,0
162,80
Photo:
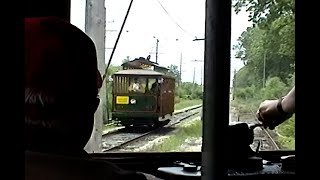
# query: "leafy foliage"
275,89
267,50
265,11
173,69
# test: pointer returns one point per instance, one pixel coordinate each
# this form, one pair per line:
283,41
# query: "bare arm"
288,103
269,113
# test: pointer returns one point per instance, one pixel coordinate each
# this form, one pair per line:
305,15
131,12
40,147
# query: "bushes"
246,93
274,89
248,99
188,90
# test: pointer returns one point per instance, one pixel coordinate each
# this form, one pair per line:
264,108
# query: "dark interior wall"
60,8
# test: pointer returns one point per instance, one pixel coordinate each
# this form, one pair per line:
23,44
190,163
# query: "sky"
175,23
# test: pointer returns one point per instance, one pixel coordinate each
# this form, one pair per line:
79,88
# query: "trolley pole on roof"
157,50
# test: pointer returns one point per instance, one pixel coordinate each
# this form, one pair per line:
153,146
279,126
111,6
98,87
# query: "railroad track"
264,140
262,137
123,137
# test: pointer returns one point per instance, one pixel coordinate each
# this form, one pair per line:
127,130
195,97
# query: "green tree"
267,50
189,90
274,89
173,69
264,12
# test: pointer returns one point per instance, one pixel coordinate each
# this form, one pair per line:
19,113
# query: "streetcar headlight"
133,101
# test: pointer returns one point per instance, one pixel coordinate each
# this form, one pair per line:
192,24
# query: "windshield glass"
262,67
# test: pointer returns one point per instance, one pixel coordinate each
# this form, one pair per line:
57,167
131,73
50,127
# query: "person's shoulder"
39,165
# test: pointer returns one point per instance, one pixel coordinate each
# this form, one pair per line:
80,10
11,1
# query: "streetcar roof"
138,72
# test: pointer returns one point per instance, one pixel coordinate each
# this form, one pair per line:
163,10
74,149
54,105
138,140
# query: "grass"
106,127
173,142
287,143
245,106
187,103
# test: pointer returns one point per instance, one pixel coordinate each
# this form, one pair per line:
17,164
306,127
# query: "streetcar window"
153,85
137,85
120,84
262,62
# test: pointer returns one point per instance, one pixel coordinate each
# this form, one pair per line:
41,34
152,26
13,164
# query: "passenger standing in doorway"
155,87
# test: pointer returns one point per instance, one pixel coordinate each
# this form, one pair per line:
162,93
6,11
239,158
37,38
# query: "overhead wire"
174,21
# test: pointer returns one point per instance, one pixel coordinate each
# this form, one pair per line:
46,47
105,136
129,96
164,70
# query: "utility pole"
95,18
157,51
234,83
201,77
264,70
194,74
194,69
180,74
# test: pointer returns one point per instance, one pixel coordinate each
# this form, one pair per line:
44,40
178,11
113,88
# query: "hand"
269,115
